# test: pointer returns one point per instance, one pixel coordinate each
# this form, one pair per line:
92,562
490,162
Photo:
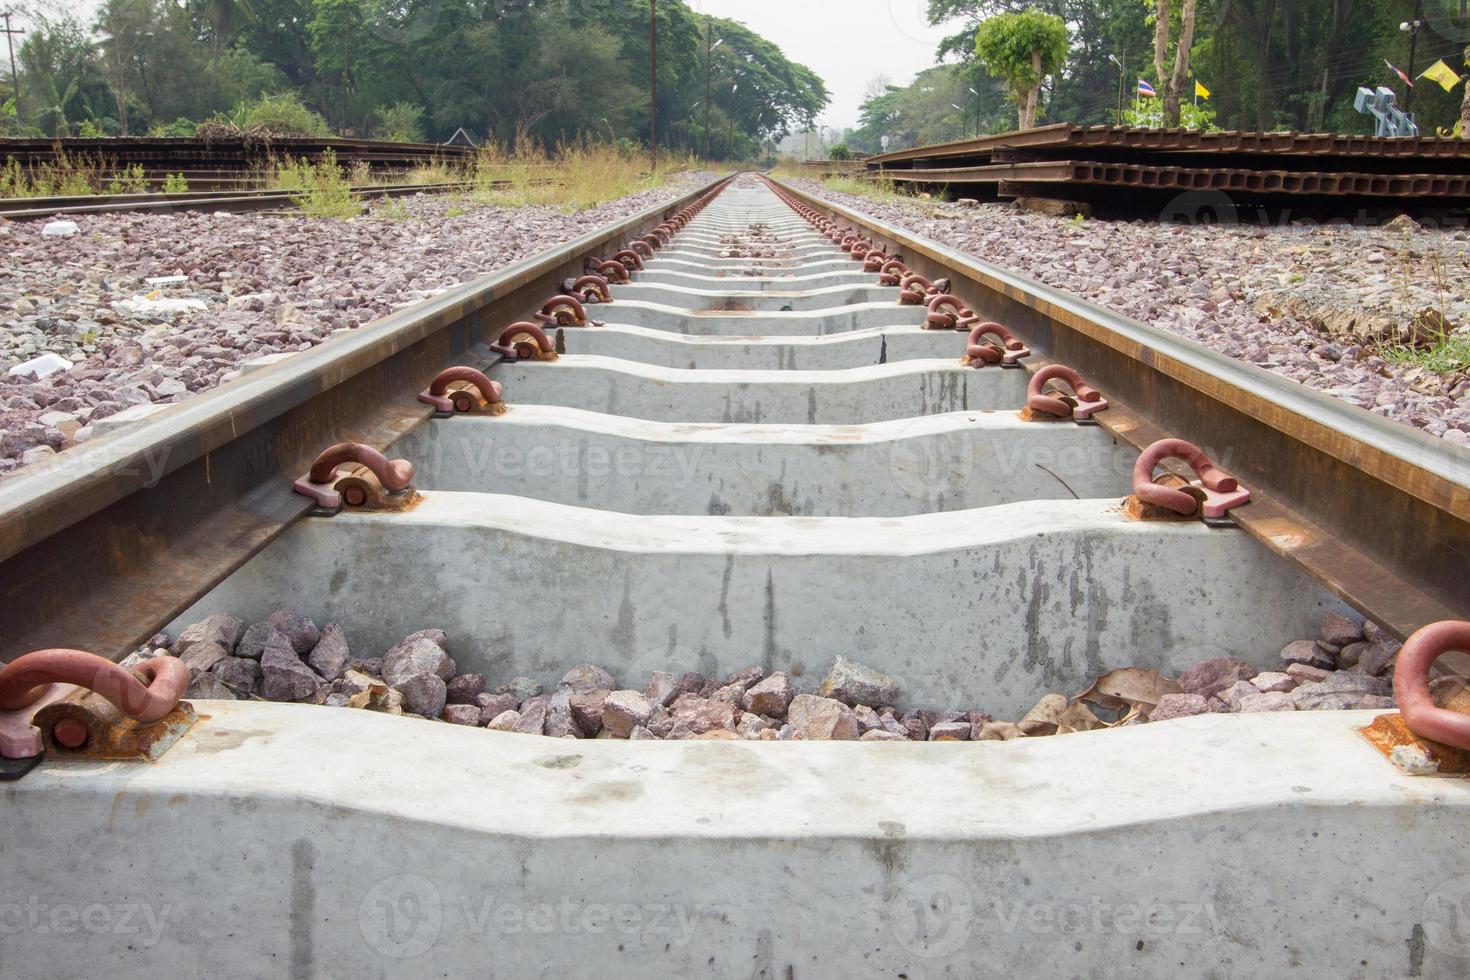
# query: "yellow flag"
1200,90
1443,74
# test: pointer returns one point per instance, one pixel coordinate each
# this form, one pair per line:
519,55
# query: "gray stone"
1310,653
205,686
1271,682
1339,630
492,706
1266,701
950,731
202,656
417,655
1341,690
253,641
299,629
692,715
506,721
221,628
879,735
461,714
1184,706
1350,654
1240,689
587,710
662,688
464,688
624,711
283,676
239,674
1378,658
423,694
691,682
640,733
868,719
559,720
770,697
746,678
533,716
814,718
330,655
1209,677
587,677
853,683
1303,674
520,688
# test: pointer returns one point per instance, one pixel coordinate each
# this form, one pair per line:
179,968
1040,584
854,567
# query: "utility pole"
653,80
10,33
709,50
1413,28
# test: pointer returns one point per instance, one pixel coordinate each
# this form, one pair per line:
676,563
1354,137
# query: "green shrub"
322,190
401,122
175,184
841,152
283,114
178,129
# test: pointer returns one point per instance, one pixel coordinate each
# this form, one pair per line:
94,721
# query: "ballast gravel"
1310,301
287,658
152,308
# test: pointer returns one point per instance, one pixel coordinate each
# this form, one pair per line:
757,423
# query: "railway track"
753,454
34,209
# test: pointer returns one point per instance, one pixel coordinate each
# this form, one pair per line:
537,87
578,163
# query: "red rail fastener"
564,311
642,250
447,402
614,272
946,312
1088,400
525,342
631,258
1211,496
916,290
593,289
1008,353
34,680
1411,684
874,260
394,476
892,273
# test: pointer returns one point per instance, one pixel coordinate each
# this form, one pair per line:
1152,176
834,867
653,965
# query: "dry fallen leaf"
1129,687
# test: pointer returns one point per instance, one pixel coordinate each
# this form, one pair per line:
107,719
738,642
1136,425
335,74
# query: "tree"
1465,105
1024,49
1173,81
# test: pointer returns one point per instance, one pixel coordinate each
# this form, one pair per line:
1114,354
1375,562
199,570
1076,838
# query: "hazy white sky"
847,42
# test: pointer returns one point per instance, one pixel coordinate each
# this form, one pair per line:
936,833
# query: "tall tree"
1024,49
1173,80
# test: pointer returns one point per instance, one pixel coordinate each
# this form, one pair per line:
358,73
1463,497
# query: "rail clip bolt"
525,342
1046,404
980,352
146,693
454,392
1211,496
393,478
1424,717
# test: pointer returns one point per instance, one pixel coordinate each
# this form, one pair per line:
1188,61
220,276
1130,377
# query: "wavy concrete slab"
878,393
289,840
982,610
854,348
887,469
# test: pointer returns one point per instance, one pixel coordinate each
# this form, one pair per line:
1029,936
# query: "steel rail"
32,209
1142,176
1376,511
106,542
1063,135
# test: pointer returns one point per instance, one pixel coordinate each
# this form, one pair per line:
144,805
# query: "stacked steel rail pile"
1085,162
207,163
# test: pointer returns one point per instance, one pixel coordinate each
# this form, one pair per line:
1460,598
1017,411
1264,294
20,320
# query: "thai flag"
1146,90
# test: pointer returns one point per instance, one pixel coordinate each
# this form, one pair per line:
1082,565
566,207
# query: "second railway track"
757,453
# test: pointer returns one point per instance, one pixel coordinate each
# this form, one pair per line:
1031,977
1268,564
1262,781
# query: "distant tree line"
506,70
1268,65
